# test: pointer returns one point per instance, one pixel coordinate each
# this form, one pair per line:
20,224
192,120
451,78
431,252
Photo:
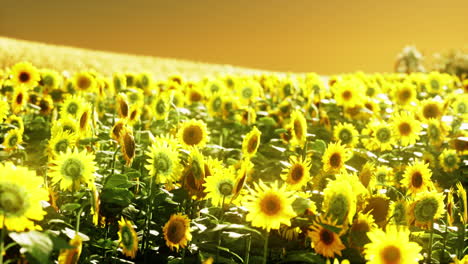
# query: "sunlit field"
111,158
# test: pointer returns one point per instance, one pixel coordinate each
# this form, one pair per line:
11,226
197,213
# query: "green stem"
1,240
247,249
78,217
265,247
149,215
429,254
442,255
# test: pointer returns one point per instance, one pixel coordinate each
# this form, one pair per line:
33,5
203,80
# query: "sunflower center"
24,77
252,146
450,160
298,128
61,145
431,111
416,179
404,128
435,85
240,183
162,163
327,237
383,135
13,140
425,209
193,135
83,83
133,114
195,96
247,92
72,168
335,160
345,136
378,207
12,201
72,108
161,107
338,207
176,231
117,128
226,188
381,178
347,95
127,240
404,95
297,172
391,255
461,108
270,204
123,108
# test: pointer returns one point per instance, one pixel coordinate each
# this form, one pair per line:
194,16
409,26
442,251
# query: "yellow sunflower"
118,128
163,161
193,133
72,106
384,176
269,206
297,174
358,232
324,240
220,186
50,79
215,104
46,104
119,81
4,109
391,247
84,82
427,207
406,128
460,106
134,114
436,131
65,124
242,176
84,120
73,168
128,238
19,99
71,256
380,136
348,93
122,105
346,133
20,199
144,80
24,73
335,157
60,142
339,201
13,139
378,206
417,177
161,106
177,231
251,143
404,93
127,142
298,126
248,91
462,195
398,213
449,160
366,175
430,109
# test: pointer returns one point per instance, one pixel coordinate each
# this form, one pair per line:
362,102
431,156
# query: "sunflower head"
71,256
177,231
122,105
334,157
163,159
449,160
378,206
398,213
339,201
251,142
24,73
19,99
127,141
72,106
358,231
346,133
60,142
404,93
128,238
426,207
84,82
406,128
417,177
220,186
13,139
325,240
193,133
298,128
430,109
348,93
297,174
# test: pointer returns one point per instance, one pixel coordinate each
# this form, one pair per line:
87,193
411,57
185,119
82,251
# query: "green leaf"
58,242
118,196
117,180
70,207
302,257
36,244
319,146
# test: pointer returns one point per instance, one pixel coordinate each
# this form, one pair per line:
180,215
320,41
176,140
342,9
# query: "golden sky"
327,37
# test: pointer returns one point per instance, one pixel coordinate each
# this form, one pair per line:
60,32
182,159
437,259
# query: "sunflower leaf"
36,244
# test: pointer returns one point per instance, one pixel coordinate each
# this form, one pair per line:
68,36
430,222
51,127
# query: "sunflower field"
262,168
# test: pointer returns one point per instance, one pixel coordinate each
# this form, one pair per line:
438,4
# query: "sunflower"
134,114
346,133
215,104
380,136
4,109
84,119
449,160
248,91
436,131
460,106
358,232
193,133
19,99
383,176
127,142
289,233
84,82
60,142
46,104
404,93
378,205
462,195
128,238
459,142
196,169
251,142
242,176
391,247
177,231
65,124
163,161
71,256
119,81
426,207
24,73
417,177
366,175
339,201
398,213
430,109
194,93
348,93
334,158
72,106
20,198
406,128
269,206
122,105
144,81
298,126
220,186
297,174
325,240
13,139
73,168
161,106
50,80
118,128
435,83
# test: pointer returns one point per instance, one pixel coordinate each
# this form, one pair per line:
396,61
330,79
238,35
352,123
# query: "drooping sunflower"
298,173
127,142
269,206
20,199
84,82
193,133
72,168
122,105
60,142
71,256
392,246
449,160
84,120
4,109
19,99
128,238
177,231
335,157
406,128
251,142
242,177
324,240
163,161
346,133
417,177
378,206
298,126
358,232
72,106
427,207
430,109
220,186
13,139
24,73
339,201
118,128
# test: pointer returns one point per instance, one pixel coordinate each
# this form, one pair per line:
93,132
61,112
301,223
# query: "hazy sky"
322,36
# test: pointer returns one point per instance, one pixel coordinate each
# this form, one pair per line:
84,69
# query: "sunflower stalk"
247,249
2,235
149,215
265,247
429,254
